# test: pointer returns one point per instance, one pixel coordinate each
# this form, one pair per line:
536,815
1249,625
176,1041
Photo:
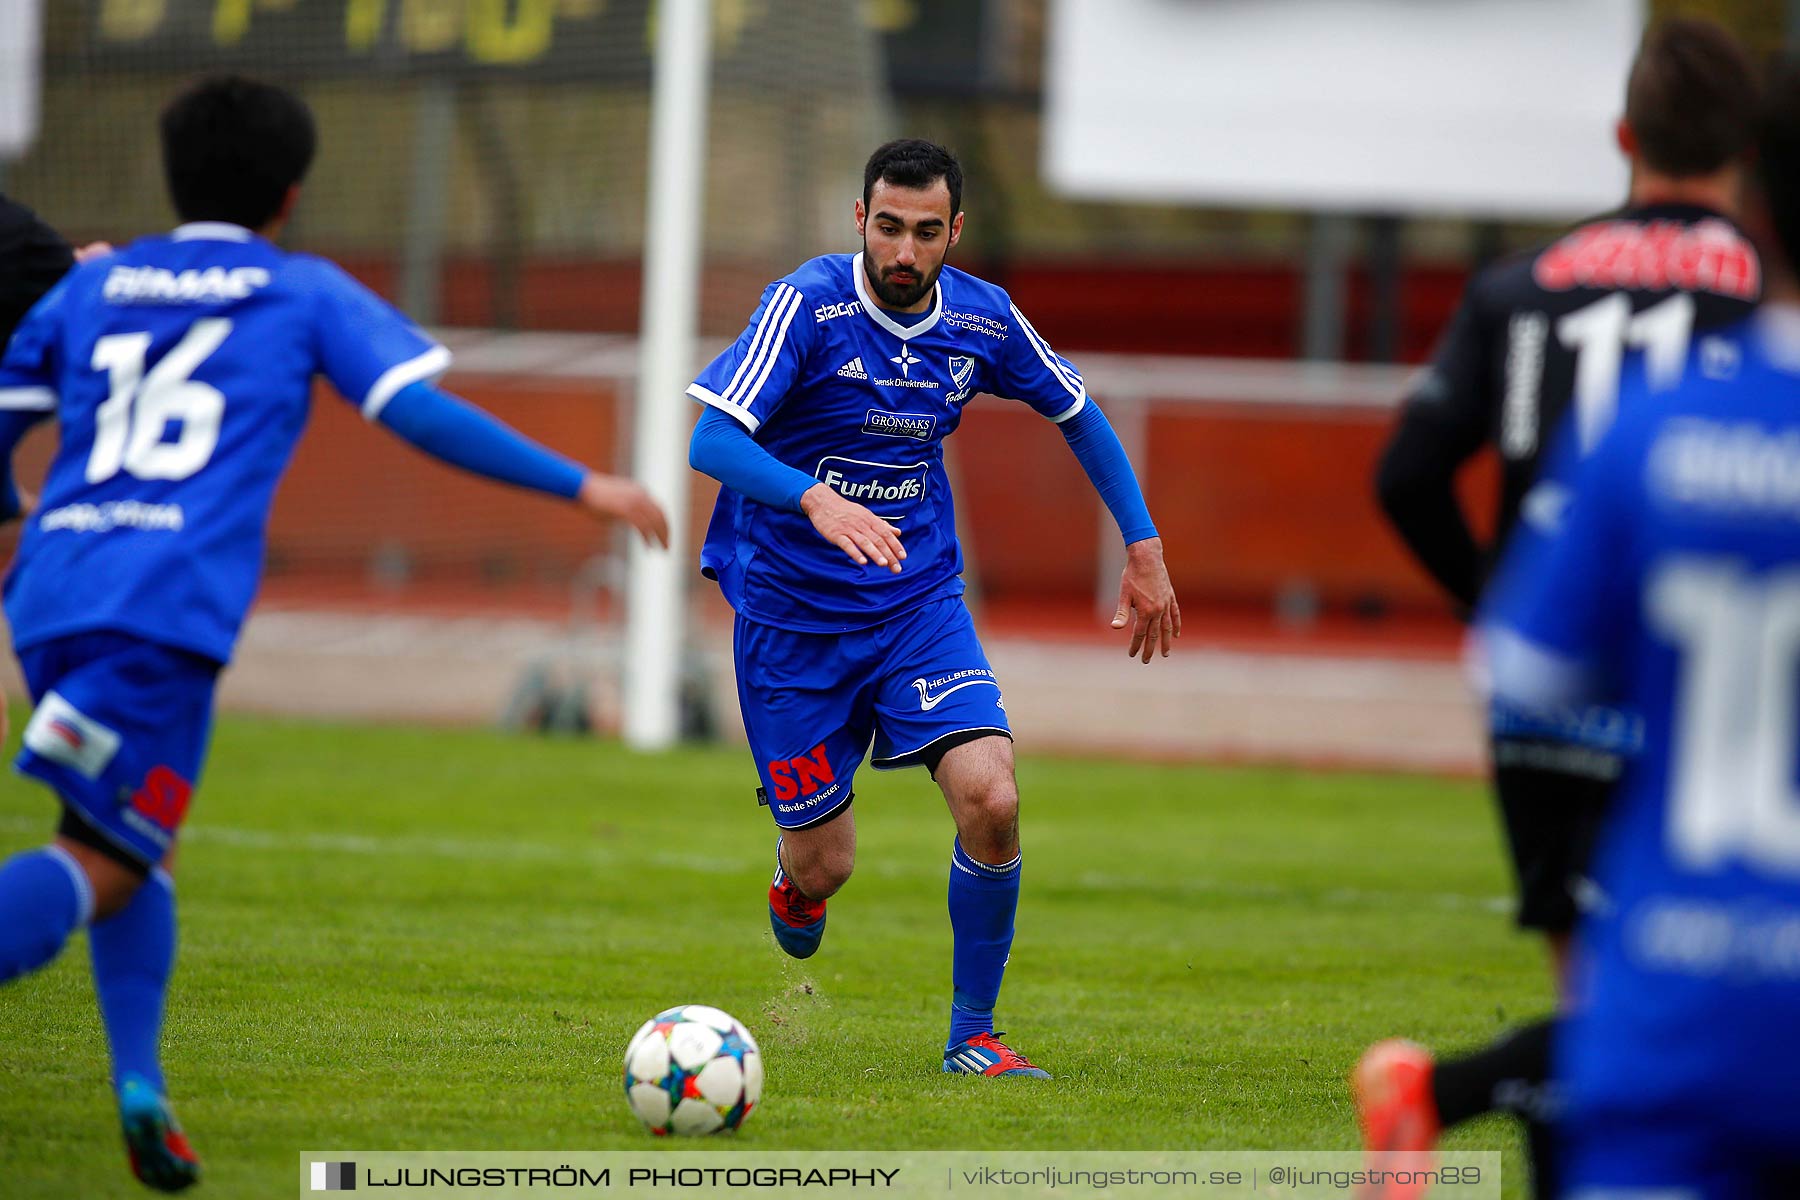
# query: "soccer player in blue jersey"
1671,586
180,371
834,539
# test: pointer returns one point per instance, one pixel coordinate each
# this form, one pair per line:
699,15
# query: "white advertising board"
1489,107
21,65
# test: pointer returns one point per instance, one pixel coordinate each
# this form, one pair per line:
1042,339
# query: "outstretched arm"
456,432
723,448
1146,597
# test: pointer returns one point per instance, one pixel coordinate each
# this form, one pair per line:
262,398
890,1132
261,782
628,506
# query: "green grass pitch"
427,939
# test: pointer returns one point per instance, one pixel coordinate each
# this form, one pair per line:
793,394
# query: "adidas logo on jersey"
854,370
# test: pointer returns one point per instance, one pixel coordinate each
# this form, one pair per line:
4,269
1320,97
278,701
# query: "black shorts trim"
76,828
823,819
931,754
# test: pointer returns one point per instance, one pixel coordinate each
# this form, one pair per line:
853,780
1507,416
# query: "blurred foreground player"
834,539
1673,588
1540,337
180,373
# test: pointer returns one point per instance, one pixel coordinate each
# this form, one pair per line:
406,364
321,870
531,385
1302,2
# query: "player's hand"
92,251
1147,601
852,528
617,497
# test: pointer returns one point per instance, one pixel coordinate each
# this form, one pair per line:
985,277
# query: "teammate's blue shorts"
813,701
119,733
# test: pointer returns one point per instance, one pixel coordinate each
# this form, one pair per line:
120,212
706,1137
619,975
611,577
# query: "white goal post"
656,592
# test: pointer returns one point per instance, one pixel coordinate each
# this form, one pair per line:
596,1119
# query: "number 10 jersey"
180,371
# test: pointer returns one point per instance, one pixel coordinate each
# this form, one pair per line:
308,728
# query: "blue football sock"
983,900
44,897
134,952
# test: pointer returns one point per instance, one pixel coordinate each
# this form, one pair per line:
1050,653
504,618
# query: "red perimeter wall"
1249,501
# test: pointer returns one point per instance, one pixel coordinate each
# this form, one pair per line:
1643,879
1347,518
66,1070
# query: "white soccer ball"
692,1070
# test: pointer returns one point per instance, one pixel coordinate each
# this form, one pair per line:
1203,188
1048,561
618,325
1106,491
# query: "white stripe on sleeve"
765,345
712,399
1064,375
28,399
429,365
774,356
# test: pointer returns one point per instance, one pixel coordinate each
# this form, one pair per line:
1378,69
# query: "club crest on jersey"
882,423
962,370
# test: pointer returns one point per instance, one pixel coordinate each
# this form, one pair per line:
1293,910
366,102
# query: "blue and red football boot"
160,1154
986,1054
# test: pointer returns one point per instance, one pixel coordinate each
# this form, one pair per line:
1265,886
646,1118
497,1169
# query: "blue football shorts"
813,702
119,733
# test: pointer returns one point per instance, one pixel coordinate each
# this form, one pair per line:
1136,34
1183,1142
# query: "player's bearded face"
900,285
906,234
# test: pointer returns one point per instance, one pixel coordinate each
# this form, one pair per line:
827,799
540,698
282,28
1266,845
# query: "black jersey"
1540,334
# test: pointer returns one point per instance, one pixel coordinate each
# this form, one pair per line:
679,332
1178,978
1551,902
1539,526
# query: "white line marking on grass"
635,854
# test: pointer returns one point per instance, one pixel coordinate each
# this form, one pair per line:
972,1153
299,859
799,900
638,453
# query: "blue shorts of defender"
120,732
813,702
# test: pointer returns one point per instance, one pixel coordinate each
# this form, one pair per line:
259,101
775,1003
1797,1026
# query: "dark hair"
232,147
914,163
1778,156
1692,98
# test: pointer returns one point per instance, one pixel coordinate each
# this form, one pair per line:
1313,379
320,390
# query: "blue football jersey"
180,371
1672,587
831,384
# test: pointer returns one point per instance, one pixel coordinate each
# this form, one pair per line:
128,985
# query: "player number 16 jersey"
180,371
